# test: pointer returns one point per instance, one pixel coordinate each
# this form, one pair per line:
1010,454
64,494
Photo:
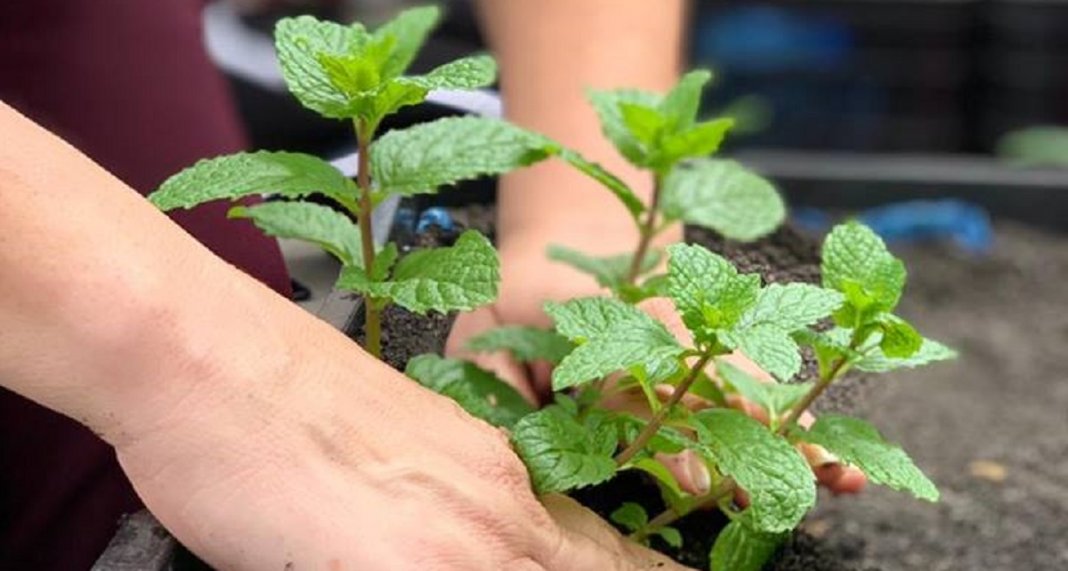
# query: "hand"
537,279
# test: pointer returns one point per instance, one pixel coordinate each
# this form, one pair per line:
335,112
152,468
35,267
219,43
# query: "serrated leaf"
562,454
776,399
681,104
631,516
792,306
457,278
769,346
301,42
231,177
320,225
644,123
419,159
700,140
524,343
610,271
900,340
777,479
384,261
930,351
409,29
470,72
723,196
707,290
857,263
739,548
661,474
630,201
478,391
860,444
607,104
611,336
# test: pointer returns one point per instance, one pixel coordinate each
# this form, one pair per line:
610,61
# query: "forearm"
551,52
111,311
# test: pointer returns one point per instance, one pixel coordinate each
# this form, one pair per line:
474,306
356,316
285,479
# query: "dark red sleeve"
127,82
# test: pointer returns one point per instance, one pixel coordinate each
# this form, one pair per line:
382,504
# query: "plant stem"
670,516
811,396
658,419
372,311
646,232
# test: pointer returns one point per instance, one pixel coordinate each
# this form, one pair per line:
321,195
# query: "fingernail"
702,480
818,455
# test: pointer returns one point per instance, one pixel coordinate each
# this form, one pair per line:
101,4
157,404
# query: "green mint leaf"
857,263
707,290
700,140
610,272
617,187
792,306
420,159
470,72
458,278
478,391
770,346
900,340
671,536
302,43
779,482
739,548
930,351
667,439
525,343
562,454
723,196
608,107
390,97
320,225
776,399
860,444
644,123
611,336
631,516
230,177
384,261
664,478
682,103
409,29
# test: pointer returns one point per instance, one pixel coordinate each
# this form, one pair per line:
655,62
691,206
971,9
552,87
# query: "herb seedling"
661,134
352,74
576,443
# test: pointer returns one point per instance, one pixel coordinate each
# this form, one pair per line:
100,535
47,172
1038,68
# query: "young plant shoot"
661,134
603,345
352,74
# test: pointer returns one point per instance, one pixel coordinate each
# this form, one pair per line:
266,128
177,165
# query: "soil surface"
991,429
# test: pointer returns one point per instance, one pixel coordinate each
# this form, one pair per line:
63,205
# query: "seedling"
352,74
661,134
602,345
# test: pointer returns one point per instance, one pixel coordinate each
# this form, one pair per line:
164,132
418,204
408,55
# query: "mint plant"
605,345
662,135
349,73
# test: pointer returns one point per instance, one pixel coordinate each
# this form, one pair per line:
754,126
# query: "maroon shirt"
128,83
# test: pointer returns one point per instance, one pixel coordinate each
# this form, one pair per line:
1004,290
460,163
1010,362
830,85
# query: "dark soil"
991,429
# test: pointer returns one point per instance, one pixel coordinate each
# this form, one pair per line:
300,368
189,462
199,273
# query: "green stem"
646,233
810,397
670,516
372,309
658,419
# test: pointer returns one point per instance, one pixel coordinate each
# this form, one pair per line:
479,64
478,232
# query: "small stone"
988,470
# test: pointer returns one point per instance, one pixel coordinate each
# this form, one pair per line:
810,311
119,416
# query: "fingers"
830,472
502,364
